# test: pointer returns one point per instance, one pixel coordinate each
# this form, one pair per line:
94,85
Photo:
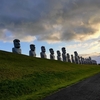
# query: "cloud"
88,46
42,19
93,54
8,36
52,38
99,41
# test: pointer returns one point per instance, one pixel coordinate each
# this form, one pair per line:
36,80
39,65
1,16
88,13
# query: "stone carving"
72,59
64,56
68,56
76,57
79,59
86,60
90,60
94,62
16,48
32,51
58,55
43,54
82,60
52,57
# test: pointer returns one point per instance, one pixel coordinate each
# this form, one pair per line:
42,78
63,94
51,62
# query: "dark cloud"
71,19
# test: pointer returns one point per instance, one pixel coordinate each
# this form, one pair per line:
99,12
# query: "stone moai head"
90,58
76,54
51,51
64,57
58,53
83,60
76,57
16,43
72,56
42,53
32,47
16,48
32,51
52,54
43,49
79,58
72,59
64,50
68,55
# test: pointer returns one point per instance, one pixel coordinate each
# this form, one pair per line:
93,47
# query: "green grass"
27,78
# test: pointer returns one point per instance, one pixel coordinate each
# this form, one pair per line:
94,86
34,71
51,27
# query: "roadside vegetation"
27,78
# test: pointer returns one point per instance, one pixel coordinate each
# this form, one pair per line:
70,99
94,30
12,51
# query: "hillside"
27,78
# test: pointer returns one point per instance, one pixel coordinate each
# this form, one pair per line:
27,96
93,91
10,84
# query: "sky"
74,24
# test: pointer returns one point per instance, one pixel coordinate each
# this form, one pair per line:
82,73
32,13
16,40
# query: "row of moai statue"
65,57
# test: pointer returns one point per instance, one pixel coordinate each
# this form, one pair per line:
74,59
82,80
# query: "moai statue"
76,57
52,57
86,61
68,56
94,62
72,59
90,60
64,56
58,55
32,51
82,60
43,54
16,48
79,59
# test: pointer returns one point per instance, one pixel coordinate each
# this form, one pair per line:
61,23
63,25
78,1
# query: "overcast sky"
74,24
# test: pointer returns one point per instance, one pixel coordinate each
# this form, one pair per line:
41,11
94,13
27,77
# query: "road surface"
89,89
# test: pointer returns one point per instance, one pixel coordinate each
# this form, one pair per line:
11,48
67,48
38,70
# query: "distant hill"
27,78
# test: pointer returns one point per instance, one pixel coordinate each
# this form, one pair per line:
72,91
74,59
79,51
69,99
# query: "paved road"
88,89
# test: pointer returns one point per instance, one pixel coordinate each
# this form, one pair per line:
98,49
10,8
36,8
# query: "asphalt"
88,89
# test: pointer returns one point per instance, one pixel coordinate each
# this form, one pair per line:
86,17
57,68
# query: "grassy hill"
27,78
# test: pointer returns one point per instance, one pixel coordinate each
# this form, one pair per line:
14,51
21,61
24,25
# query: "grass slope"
28,78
